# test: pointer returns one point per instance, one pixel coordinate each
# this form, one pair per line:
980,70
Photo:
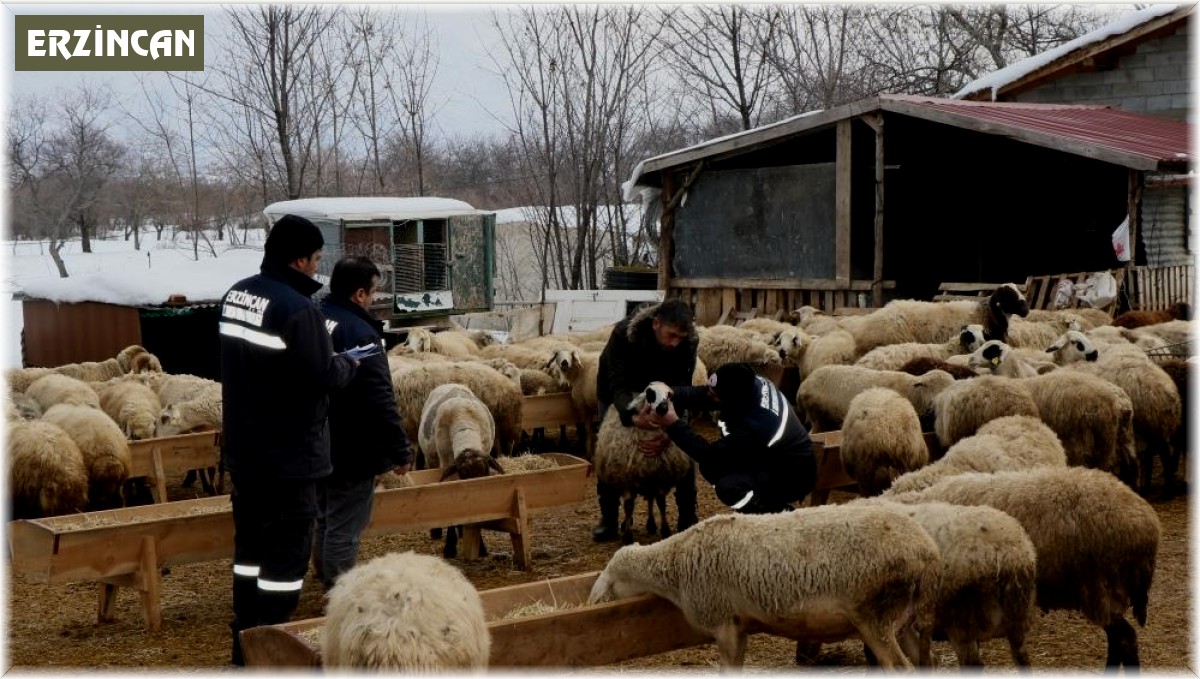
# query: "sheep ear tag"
995,360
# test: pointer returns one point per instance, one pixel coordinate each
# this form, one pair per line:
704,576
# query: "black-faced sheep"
833,572
46,472
881,439
499,393
825,396
1179,311
907,320
622,466
134,407
104,448
966,405
895,356
1096,541
1012,443
52,389
405,612
985,586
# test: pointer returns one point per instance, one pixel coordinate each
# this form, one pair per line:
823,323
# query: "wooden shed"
889,196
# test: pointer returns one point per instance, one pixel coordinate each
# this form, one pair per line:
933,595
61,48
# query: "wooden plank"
178,453
818,284
1134,212
30,547
982,289
876,123
728,301
666,233
547,410
842,186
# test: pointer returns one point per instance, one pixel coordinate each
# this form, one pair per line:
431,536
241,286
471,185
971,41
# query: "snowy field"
116,273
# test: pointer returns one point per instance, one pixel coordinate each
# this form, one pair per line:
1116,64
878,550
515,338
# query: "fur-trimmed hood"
641,325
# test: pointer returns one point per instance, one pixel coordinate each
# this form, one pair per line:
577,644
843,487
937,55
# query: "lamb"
405,612
881,439
920,366
985,586
1179,311
894,356
501,396
134,407
104,448
723,344
579,369
909,320
1011,443
621,465
46,472
54,388
966,405
832,572
1096,541
537,382
825,396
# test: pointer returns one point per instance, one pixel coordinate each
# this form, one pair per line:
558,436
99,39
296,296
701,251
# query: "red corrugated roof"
1153,138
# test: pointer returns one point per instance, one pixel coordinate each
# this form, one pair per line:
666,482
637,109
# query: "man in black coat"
655,344
366,435
764,461
277,369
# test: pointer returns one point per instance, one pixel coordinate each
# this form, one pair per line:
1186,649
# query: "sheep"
920,366
199,414
985,586
46,472
135,359
813,320
1086,317
26,407
134,407
1112,335
104,448
19,379
1096,541
831,572
502,366
537,382
1179,311
590,336
964,406
723,344
579,369
907,320
498,393
881,439
456,344
1010,443
524,357
894,356
131,359
835,347
405,612
1181,373
621,465
1171,332
1000,359
54,388
1038,334
825,396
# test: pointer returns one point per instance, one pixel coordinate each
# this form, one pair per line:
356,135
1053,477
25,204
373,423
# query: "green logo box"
109,42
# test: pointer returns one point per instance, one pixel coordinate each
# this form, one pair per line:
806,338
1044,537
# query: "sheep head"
565,360
139,424
970,337
609,586
419,340
1073,346
657,395
471,464
1009,299
789,344
990,355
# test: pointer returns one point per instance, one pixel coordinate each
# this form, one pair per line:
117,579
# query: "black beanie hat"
734,383
292,238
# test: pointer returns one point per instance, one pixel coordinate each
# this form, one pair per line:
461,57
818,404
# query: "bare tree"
816,57
371,38
416,67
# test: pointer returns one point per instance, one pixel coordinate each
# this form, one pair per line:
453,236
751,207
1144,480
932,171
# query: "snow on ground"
116,273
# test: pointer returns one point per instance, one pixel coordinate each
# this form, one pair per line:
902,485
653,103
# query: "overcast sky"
469,97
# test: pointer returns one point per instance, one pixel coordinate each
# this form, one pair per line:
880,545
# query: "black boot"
606,530
685,500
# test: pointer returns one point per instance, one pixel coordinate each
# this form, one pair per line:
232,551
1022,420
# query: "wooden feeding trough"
168,456
570,633
128,547
831,475
547,411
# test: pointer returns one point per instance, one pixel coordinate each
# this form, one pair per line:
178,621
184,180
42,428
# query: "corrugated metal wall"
55,334
1165,231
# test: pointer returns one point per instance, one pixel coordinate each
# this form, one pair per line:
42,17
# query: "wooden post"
1136,178
666,232
471,544
520,535
841,247
876,123
106,611
150,585
160,476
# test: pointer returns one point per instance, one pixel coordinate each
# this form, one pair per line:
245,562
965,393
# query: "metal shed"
888,196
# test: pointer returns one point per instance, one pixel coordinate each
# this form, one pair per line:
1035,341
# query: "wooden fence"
712,299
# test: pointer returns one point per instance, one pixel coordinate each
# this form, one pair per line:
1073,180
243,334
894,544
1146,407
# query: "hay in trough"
75,522
525,463
537,608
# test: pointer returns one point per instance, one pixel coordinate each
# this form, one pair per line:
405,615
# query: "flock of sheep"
1050,422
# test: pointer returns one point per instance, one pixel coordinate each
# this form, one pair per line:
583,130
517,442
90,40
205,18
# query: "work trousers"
343,511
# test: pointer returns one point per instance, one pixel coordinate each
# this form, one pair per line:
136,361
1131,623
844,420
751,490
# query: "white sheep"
134,407
1012,443
895,356
104,448
1171,332
985,586
1096,541
721,344
46,472
1038,334
966,405
26,407
834,347
997,358
881,439
499,393
621,465
580,369
825,396
53,389
456,344
19,379
404,612
907,320
457,432
830,573
131,359
1086,317
1111,334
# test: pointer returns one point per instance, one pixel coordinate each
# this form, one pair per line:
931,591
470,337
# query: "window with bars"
419,256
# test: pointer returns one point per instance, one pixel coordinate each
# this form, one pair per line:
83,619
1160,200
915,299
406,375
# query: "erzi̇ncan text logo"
109,42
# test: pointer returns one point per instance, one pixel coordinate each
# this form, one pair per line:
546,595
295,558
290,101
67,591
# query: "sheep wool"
46,472
457,431
501,396
825,396
962,408
405,612
721,344
881,439
105,450
822,573
53,389
134,407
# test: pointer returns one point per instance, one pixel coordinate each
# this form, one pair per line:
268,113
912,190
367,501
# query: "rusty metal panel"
55,334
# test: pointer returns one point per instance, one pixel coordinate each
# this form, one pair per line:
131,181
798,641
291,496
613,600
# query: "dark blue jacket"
366,433
277,369
764,435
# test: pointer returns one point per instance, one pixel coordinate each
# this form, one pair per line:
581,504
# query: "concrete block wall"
1155,79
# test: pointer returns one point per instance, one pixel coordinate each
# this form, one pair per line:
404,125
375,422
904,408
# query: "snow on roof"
996,80
367,208
517,215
